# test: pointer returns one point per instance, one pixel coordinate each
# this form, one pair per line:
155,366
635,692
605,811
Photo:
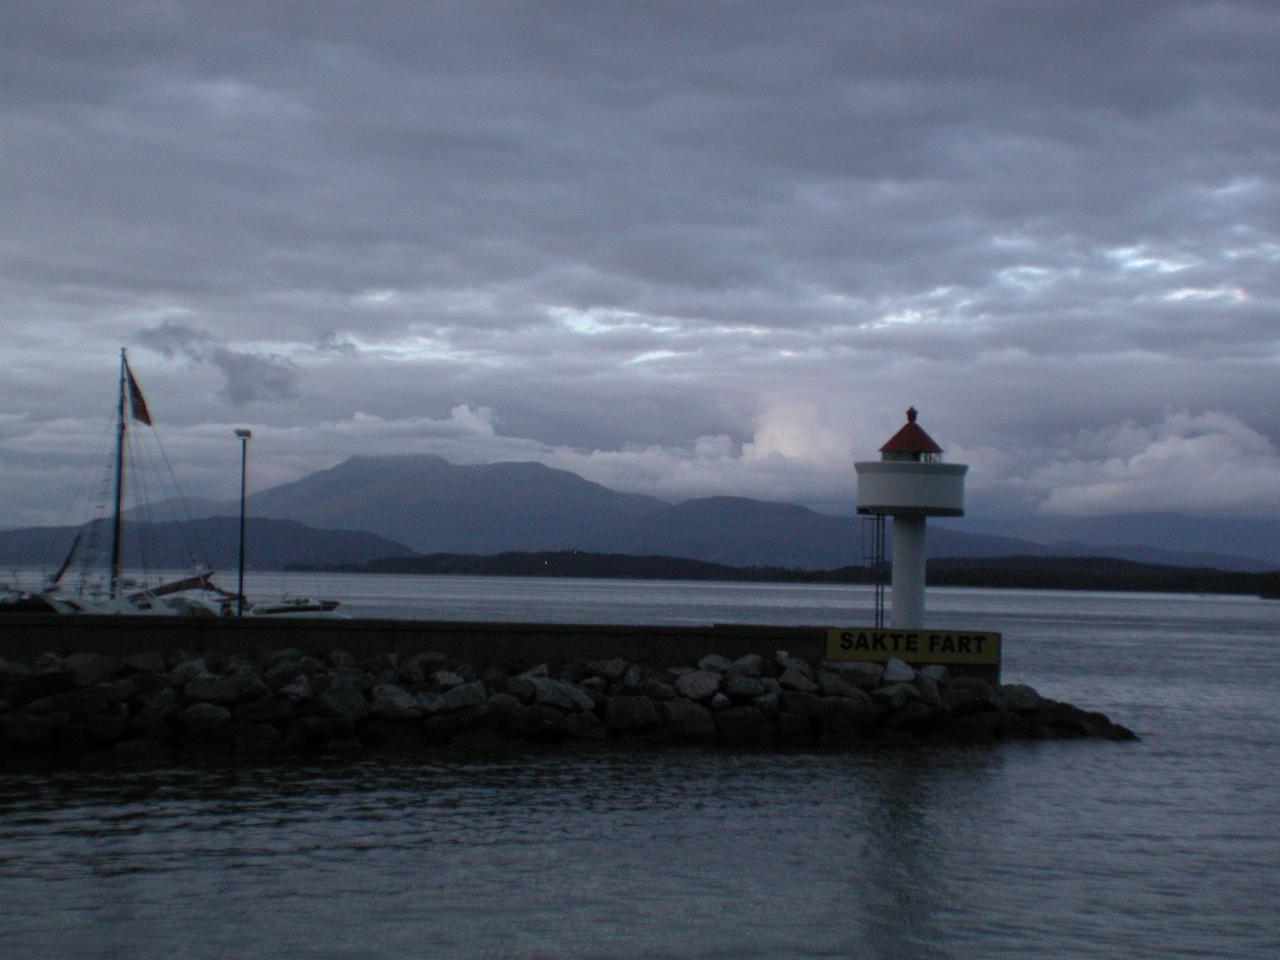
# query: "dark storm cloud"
247,376
682,247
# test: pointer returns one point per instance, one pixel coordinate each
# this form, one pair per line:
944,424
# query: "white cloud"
1208,463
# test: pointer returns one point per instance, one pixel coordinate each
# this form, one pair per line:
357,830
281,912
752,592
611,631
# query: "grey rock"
504,705
466,695
561,695
541,670
657,690
297,690
188,670
81,703
786,663
742,726
833,685
894,695
540,722
860,673
767,704
447,679
627,714
689,720
161,697
344,701
263,711
792,679
431,703
935,673
963,693
203,717
914,715
147,662
898,671
720,702
928,691
392,702
1019,697
632,676
341,658
738,686
715,663
699,685
283,672
750,665
771,685
241,685
596,686
91,668
523,689
611,670
356,677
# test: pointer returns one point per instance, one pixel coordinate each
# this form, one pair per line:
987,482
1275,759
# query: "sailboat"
82,585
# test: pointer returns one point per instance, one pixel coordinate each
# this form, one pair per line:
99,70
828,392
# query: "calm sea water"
1169,847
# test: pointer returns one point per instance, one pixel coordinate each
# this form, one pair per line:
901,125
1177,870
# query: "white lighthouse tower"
910,482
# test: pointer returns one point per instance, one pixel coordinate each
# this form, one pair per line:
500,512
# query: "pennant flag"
137,404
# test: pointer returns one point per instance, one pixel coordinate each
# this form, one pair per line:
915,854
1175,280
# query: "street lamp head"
243,434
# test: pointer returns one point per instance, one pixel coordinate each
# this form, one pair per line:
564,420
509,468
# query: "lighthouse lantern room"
909,483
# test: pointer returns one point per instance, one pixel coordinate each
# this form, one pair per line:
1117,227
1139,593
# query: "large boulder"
238,686
392,702
561,694
792,679
833,685
343,701
742,726
861,674
739,686
203,717
715,663
699,685
689,720
898,671
629,714
91,668
749,665
464,695
611,670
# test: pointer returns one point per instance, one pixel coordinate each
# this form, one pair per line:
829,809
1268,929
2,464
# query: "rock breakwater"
154,706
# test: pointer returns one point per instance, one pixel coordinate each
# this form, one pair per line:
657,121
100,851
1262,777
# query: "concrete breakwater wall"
155,706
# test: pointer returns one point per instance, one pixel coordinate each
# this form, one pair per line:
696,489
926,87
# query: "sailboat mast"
118,505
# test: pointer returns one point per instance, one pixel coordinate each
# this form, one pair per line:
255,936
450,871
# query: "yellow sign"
913,646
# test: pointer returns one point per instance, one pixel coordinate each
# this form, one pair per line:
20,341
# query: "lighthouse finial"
912,413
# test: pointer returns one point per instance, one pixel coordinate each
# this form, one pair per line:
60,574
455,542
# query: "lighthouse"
909,483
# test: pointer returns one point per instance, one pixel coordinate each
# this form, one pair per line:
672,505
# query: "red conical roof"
911,438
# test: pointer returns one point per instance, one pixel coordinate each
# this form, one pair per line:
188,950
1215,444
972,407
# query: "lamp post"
245,436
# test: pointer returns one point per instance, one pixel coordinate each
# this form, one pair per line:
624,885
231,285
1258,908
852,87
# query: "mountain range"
370,507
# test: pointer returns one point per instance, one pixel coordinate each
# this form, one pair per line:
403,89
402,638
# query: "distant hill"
433,506
270,544
1054,573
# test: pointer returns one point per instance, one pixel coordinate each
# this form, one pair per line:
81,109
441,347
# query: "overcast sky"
679,248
